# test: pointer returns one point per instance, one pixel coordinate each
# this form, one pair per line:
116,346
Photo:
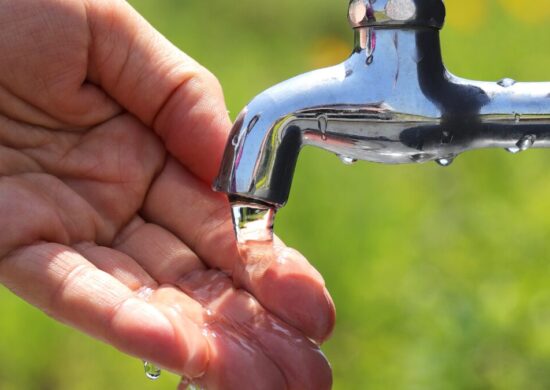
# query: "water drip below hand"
151,371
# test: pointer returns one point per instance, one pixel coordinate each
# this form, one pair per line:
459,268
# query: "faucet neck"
409,49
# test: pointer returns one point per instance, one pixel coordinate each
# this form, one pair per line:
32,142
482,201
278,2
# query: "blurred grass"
440,276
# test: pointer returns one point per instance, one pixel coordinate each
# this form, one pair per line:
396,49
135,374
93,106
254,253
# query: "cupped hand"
109,138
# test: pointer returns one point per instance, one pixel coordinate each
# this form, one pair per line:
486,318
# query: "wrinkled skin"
109,138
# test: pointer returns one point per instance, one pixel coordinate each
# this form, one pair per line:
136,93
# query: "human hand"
109,138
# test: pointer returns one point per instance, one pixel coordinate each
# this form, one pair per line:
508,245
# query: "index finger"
166,89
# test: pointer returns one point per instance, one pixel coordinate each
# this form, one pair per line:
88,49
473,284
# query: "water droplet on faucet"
347,160
252,123
445,161
446,137
525,143
151,371
506,82
235,140
370,59
322,123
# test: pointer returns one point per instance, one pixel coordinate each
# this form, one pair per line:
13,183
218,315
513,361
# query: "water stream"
253,223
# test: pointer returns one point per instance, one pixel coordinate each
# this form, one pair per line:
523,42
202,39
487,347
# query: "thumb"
166,89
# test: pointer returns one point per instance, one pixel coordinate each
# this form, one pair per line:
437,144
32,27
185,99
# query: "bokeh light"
466,15
528,11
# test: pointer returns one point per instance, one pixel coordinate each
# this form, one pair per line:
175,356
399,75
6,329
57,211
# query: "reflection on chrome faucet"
391,102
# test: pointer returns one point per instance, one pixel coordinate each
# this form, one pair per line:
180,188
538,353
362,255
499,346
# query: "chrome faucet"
391,102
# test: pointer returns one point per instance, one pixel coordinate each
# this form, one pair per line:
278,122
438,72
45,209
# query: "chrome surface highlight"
387,13
392,102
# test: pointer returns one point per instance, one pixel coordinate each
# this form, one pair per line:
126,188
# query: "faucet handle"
396,13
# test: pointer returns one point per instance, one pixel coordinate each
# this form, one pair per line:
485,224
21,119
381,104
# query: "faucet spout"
392,101
269,133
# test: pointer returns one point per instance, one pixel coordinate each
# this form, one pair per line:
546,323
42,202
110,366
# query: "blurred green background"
441,277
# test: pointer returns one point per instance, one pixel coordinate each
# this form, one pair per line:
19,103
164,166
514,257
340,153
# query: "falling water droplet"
370,59
348,160
446,161
506,82
151,371
525,143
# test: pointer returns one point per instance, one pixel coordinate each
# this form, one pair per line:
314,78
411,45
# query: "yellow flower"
467,15
530,11
329,51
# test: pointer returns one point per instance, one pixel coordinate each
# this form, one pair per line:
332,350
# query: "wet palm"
109,137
